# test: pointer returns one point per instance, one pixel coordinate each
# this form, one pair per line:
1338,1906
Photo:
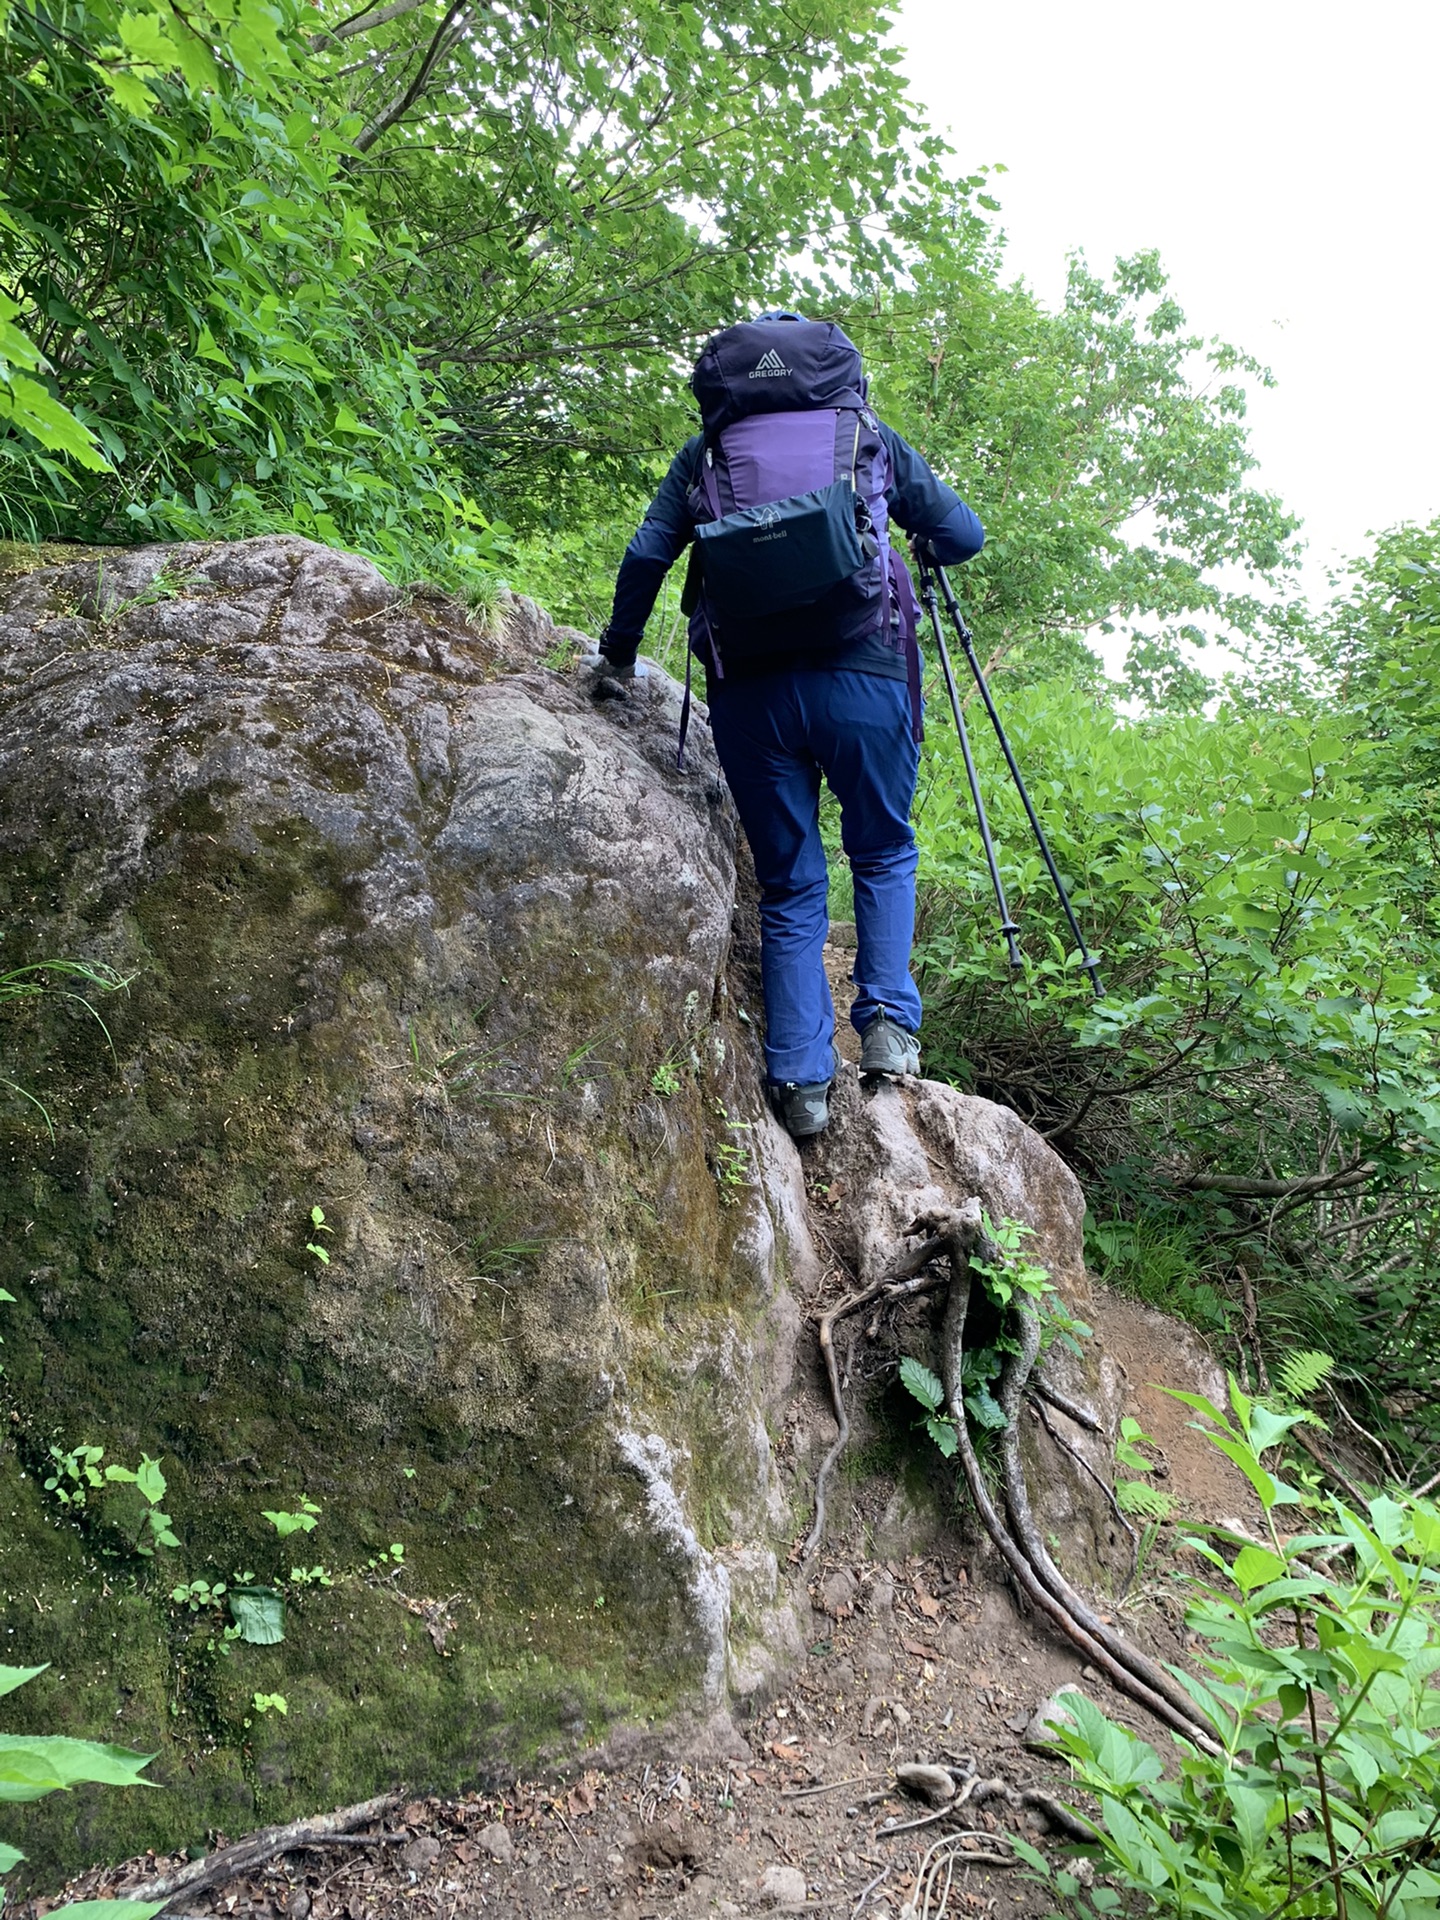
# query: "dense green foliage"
425,280
1322,1792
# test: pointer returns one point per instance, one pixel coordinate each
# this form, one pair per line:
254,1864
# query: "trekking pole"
928,570
1007,924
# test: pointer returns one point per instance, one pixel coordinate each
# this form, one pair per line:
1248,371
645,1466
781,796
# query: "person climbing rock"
803,616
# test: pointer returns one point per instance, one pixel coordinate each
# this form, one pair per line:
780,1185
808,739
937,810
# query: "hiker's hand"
924,551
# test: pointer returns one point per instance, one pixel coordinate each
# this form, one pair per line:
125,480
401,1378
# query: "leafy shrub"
1321,1650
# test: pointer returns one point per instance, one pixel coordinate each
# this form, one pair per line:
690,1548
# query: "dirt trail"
911,1659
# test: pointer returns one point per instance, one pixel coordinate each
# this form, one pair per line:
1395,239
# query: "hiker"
803,615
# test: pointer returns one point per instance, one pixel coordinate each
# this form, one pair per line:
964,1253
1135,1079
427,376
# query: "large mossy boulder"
418,935
416,1183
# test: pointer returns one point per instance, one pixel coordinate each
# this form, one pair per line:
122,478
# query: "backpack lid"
776,366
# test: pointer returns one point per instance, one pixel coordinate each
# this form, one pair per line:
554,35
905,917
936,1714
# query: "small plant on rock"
929,1390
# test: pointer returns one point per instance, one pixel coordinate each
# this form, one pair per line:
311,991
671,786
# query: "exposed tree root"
1017,1372
910,1279
1082,1416
257,1848
1109,1492
958,1235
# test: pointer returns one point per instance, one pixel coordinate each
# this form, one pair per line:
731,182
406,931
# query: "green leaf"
1292,1699
9,1857
131,94
1256,1567
1244,1458
150,1480
926,1386
13,1677
346,422
27,1773
1249,1809
67,1763
29,406
259,1614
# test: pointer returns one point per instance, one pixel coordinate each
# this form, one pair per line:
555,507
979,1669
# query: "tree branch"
361,22
1247,1187
449,29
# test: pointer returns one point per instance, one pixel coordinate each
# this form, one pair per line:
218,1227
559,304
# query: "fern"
1301,1373
1138,1497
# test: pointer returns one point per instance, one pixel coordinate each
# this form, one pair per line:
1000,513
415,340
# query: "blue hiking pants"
776,736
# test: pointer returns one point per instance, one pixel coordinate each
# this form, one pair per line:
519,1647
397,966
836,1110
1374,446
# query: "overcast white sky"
1284,158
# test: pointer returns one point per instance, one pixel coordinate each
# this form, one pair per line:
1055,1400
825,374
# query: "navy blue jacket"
917,502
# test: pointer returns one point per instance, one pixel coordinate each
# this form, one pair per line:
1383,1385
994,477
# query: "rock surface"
418,935
419,1171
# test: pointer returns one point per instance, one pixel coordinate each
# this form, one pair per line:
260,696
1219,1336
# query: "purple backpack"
792,539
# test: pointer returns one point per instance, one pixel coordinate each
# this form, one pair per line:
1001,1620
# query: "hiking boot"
887,1047
803,1111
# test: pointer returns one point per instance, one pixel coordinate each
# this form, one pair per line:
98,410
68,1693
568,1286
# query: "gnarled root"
1022,1549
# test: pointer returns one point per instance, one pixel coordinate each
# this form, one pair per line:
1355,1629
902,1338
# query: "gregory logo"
770,367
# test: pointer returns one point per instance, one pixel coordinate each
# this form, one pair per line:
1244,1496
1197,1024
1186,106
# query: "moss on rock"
409,929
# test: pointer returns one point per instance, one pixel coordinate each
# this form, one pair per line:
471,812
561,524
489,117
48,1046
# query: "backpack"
792,551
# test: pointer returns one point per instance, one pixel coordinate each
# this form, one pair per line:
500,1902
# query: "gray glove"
603,672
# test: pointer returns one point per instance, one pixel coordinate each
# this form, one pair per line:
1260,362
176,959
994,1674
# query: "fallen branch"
1245,1187
830,1786
257,1848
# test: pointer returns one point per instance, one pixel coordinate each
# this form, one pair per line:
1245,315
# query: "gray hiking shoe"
803,1111
887,1047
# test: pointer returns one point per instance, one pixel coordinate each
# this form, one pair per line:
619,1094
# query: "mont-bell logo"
768,516
770,367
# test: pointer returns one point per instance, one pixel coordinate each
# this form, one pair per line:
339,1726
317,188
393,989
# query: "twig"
889,1831
869,1888
1082,1416
1329,1468
1365,1434
830,1786
259,1847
